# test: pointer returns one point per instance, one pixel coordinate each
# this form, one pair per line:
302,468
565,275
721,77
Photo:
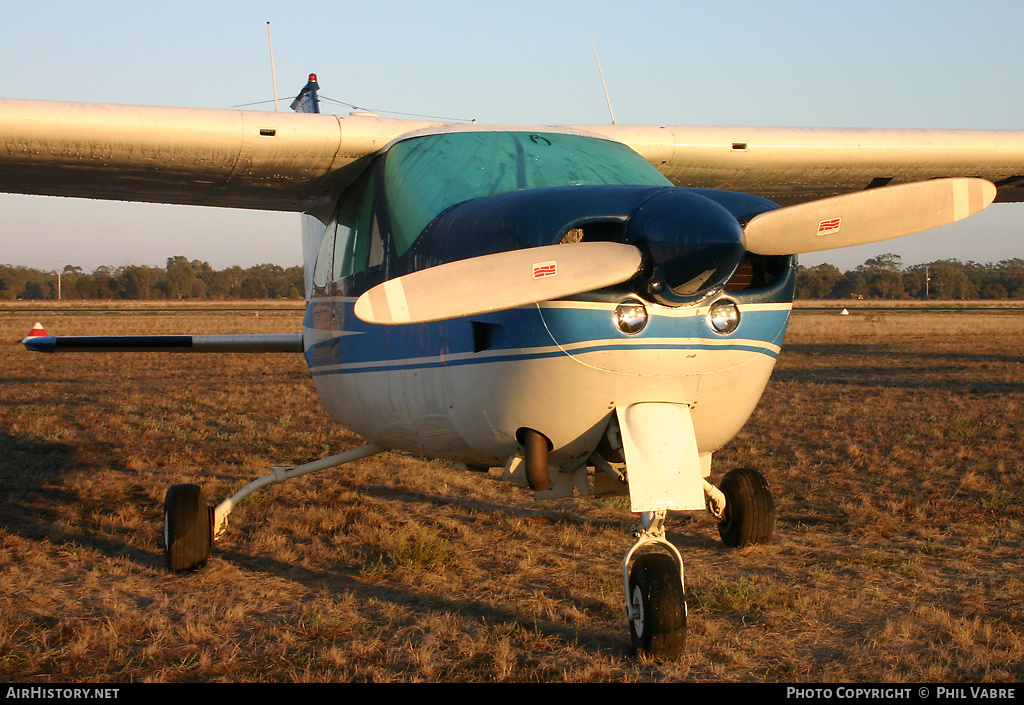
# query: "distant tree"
914,283
254,288
181,279
12,281
203,272
227,283
69,282
882,276
888,262
35,290
86,287
180,275
950,281
816,282
887,285
853,285
138,283
1009,273
273,278
995,290
105,284
295,278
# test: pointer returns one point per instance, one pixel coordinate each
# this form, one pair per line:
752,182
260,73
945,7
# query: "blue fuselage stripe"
520,335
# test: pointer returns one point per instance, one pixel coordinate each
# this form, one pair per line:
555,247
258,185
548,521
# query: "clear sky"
891,63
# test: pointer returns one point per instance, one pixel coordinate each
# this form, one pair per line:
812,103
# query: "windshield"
425,175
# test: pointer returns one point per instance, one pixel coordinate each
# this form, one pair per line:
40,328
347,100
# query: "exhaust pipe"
536,445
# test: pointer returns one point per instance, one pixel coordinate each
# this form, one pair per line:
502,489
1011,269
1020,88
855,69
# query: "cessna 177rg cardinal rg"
597,309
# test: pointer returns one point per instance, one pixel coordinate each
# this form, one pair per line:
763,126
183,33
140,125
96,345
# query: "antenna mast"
603,84
273,76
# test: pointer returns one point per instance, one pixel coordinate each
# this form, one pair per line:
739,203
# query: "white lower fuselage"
461,389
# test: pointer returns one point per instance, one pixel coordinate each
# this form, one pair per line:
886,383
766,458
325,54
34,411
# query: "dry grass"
892,441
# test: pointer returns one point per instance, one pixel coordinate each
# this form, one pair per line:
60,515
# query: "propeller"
866,216
499,281
688,243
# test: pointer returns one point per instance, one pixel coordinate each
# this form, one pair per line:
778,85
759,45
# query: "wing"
791,165
231,158
285,161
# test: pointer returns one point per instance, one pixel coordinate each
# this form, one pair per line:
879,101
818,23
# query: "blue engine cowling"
691,239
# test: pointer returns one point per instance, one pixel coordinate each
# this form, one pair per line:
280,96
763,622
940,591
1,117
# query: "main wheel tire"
658,626
188,528
749,510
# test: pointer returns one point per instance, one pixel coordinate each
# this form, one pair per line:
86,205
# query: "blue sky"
845,64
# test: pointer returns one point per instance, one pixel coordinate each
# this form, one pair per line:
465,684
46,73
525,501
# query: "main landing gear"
653,568
191,525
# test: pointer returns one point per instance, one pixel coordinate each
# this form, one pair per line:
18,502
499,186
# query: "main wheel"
658,626
749,510
188,528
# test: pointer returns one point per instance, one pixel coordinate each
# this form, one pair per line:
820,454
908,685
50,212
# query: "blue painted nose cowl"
692,246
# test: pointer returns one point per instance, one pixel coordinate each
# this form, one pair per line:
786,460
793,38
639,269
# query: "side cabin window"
352,242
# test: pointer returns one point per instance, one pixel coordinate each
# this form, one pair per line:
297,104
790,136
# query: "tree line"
885,277
882,277
181,279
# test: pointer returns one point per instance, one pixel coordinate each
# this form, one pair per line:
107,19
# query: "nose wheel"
658,604
655,596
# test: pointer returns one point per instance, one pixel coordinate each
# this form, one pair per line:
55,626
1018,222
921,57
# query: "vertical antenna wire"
273,76
603,84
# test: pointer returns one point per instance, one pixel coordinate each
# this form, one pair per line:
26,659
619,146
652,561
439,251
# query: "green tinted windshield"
425,175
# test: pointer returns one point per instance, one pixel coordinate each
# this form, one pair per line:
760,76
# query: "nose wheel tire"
188,528
658,606
749,516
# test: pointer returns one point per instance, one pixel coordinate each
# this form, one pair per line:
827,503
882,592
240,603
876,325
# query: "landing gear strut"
655,597
190,525
653,569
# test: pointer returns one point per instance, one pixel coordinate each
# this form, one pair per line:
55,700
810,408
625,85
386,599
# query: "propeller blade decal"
497,282
866,216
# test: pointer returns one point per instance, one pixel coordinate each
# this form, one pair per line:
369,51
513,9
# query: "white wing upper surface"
283,161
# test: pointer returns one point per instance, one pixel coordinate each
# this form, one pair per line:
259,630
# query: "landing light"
724,316
630,316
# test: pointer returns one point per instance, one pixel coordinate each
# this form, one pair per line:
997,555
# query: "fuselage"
464,388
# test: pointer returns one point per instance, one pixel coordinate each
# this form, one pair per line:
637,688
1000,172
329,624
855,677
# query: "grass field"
892,440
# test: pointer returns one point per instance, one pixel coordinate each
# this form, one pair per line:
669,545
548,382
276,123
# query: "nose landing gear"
653,568
655,597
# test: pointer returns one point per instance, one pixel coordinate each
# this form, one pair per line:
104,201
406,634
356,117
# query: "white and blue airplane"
597,309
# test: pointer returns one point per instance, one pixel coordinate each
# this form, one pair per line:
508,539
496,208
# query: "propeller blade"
497,282
866,216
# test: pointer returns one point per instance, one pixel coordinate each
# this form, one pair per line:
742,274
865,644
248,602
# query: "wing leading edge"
283,161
